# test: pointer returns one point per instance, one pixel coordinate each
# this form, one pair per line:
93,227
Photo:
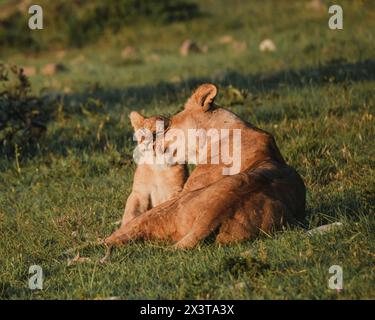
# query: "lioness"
153,183
263,196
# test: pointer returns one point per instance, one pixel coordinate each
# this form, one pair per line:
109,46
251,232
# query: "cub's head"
149,134
147,128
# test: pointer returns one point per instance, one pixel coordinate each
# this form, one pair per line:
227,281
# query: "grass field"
315,94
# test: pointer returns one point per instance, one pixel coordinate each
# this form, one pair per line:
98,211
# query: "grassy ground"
315,94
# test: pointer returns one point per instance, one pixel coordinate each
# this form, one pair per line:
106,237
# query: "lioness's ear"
136,120
204,96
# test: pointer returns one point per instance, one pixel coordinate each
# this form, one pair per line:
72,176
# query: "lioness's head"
200,102
195,115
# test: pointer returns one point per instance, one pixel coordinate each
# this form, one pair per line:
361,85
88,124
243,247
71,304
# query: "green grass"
315,94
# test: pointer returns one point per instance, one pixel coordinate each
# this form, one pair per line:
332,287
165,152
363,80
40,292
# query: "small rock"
29,71
227,39
128,53
23,5
267,45
189,47
52,68
316,5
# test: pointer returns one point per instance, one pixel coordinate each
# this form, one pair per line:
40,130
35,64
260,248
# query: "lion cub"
153,184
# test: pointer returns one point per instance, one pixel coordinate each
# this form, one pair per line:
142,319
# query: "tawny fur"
263,197
153,184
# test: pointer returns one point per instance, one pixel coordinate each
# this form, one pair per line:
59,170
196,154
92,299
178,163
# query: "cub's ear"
136,120
204,96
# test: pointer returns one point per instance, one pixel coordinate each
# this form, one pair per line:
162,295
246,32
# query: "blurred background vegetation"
66,143
76,23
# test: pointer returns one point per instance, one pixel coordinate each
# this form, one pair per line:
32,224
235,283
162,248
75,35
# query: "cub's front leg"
136,204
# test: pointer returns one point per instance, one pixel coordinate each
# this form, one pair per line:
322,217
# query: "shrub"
77,22
23,117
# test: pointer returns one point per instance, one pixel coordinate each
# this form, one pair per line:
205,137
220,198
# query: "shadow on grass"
348,203
113,100
336,71
8,291
62,140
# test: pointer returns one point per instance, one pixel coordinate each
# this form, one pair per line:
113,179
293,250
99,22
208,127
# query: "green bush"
76,23
23,117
